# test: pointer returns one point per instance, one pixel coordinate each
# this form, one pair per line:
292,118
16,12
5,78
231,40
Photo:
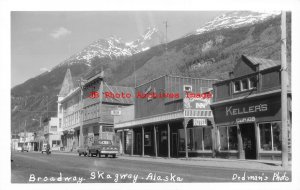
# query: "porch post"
185,139
143,141
123,144
132,141
155,141
169,151
240,143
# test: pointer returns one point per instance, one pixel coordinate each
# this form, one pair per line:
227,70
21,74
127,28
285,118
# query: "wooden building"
167,123
247,110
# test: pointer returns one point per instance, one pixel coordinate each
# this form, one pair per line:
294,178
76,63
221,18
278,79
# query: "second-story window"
252,83
245,84
237,86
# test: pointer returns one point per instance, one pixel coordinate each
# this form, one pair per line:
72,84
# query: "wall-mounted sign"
245,120
200,122
232,110
115,112
196,103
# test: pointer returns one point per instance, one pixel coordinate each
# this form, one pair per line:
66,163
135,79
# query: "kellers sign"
264,109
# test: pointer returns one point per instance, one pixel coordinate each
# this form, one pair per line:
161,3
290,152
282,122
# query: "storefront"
247,111
169,126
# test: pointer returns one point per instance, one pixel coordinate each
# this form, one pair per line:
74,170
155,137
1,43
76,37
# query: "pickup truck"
103,147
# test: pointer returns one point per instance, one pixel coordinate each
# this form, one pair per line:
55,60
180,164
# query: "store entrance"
248,138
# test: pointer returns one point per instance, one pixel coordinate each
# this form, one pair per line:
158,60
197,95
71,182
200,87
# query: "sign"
115,112
262,109
200,122
245,120
196,103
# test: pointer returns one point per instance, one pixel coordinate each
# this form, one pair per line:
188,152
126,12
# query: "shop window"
245,84
207,138
228,137
252,83
270,136
147,139
237,86
198,138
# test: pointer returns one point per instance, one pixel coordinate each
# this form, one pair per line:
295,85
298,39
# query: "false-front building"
247,110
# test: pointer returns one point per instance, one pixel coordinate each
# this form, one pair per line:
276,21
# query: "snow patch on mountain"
236,19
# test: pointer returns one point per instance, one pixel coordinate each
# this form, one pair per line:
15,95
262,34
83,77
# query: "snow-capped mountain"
114,47
236,19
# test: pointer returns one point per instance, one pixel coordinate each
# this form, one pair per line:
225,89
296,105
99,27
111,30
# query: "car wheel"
106,155
85,154
79,154
114,156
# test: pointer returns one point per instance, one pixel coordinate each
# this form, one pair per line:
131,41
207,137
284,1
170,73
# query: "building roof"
67,84
119,90
263,63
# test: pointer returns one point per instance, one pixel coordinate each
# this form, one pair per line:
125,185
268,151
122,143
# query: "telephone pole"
166,40
284,83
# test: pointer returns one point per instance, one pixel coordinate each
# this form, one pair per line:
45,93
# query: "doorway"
174,145
248,140
138,143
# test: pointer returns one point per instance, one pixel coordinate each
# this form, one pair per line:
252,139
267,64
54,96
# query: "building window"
198,138
55,143
228,137
252,82
270,136
237,86
245,84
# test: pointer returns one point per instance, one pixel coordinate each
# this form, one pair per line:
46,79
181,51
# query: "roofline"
176,77
69,95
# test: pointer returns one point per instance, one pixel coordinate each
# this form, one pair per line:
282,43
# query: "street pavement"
70,168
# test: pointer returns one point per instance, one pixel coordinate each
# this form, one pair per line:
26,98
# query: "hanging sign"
200,122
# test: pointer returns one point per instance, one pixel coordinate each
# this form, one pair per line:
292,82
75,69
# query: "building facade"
52,133
167,122
247,110
85,110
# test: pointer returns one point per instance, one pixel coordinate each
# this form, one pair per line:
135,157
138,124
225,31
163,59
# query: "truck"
102,147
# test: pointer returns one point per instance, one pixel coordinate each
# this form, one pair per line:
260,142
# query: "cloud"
60,32
44,69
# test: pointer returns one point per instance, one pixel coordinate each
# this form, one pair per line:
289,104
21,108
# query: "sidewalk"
231,164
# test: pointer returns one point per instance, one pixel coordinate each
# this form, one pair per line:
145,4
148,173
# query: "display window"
228,137
270,136
198,139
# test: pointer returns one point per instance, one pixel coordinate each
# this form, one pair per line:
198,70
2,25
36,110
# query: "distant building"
52,133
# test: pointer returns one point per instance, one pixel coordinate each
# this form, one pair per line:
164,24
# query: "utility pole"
284,83
166,40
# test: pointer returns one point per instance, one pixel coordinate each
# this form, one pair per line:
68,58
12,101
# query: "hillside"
211,54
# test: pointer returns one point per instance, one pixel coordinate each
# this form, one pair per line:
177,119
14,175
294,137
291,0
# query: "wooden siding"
168,84
243,67
270,80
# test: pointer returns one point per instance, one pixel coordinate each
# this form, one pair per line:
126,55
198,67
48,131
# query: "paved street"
40,168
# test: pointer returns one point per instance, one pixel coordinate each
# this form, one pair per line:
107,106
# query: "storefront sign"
231,110
245,120
115,112
200,122
262,109
196,103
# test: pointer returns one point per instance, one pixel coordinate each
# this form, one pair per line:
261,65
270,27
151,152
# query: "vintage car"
82,151
103,147
44,148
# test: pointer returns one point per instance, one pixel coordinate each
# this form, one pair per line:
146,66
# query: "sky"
41,40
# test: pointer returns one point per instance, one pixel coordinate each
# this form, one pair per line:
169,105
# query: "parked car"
103,147
25,149
44,148
82,151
